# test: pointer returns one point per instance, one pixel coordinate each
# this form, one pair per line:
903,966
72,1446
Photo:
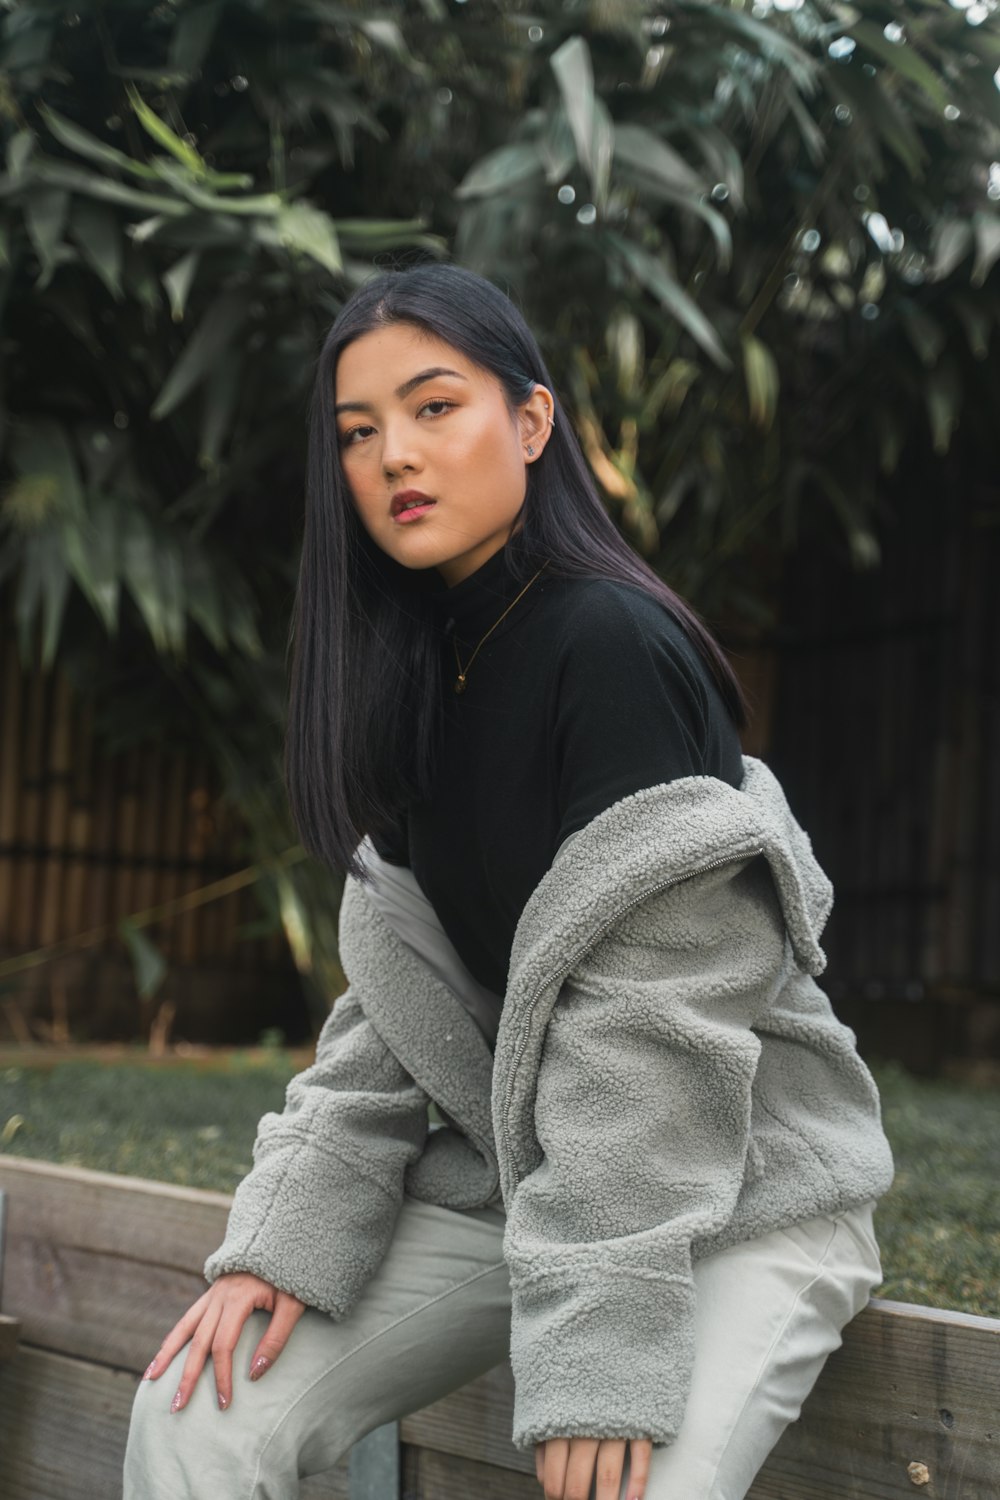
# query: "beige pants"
437,1314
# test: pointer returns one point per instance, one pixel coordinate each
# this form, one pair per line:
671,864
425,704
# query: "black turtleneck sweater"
587,691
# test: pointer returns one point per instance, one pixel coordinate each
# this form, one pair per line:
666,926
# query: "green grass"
193,1123
939,1225
186,1123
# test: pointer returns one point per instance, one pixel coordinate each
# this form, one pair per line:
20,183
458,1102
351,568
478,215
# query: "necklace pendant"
460,683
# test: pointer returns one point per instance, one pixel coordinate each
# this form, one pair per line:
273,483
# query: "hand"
214,1323
565,1467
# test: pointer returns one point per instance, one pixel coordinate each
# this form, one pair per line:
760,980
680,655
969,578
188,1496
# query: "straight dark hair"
364,708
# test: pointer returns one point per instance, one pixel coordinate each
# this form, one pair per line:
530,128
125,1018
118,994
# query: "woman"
575,919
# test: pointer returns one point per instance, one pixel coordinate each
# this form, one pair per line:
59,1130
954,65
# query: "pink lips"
402,497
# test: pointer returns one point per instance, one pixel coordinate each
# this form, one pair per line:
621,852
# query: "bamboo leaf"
950,243
43,586
216,331
222,391
977,323
652,274
925,334
42,447
760,371
882,116
20,149
178,282
91,549
82,143
987,231
650,156
303,227
199,194
770,42
507,167
385,32
943,395
97,232
903,59
148,963
46,210
192,35
64,174
587,113
161,133
151,579
205,597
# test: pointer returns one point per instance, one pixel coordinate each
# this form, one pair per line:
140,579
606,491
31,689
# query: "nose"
399,450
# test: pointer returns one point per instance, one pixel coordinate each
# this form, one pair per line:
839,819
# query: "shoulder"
599,622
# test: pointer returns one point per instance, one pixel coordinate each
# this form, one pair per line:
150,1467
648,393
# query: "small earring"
531,452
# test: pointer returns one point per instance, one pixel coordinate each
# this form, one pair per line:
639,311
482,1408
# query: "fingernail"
149,1369
175,1404
260,1364
223,1401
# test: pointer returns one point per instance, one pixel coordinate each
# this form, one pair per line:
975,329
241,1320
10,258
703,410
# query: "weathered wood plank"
63,1428
429,1475
95,1306
100,1266
10,1330
110,1214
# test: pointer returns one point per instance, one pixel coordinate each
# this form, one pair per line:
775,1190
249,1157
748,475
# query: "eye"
346,439
436,401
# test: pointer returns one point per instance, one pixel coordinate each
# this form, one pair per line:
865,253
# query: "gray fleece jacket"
668,1080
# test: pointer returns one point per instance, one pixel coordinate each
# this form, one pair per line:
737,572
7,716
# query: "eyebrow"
401,390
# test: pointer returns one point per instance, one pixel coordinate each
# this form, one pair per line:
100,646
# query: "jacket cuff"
567,1336
309,1224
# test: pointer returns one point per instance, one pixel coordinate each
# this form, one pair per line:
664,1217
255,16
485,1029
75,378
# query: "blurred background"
758,244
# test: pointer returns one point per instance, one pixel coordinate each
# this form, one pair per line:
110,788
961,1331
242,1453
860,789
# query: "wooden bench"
98,1266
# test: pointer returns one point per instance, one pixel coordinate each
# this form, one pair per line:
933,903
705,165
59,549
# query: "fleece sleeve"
316,1214
642,1112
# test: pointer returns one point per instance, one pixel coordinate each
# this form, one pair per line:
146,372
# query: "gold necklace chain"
462,671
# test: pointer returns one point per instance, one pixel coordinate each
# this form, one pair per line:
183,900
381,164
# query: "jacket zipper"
591,943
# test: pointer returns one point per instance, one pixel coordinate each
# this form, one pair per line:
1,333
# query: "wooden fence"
87,838
98,1266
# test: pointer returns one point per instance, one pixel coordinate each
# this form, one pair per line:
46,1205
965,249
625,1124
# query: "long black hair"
364,710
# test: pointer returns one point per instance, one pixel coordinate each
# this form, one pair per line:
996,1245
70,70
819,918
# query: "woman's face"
414,414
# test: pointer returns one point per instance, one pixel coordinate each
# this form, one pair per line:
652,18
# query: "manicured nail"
149,1369
175,1404
223,1401
260,1364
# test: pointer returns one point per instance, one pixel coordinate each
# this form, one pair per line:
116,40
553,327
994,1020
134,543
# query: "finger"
540,1462
287,1312
176,1338
227,1336
640,1455
580,1468
610,1463
201,1343
554,1474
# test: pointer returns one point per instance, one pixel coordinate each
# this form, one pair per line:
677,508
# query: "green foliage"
758,242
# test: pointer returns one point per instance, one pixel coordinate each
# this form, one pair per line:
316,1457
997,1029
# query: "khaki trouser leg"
435,1315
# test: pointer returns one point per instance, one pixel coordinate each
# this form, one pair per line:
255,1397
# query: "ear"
534,421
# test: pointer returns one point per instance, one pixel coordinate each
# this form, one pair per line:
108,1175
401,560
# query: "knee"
168,1454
